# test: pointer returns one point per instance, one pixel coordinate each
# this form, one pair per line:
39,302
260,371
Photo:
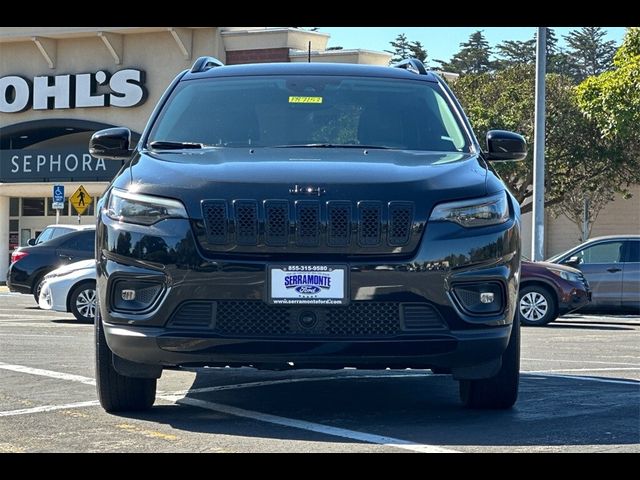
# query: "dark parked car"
548,290
307,216
29,265
612,266
53,231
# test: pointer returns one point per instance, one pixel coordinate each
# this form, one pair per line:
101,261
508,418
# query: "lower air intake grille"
420,316
251,319
357,320
194,315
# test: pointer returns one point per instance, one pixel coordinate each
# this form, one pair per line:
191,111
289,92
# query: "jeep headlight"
142,209
478,212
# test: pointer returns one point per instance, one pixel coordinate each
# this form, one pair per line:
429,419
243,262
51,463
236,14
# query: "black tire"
82,301
534,315
116,392
500,391
37,287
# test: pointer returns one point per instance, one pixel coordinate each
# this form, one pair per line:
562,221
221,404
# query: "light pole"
537,237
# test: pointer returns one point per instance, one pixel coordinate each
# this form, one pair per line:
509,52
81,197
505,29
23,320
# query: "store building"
58,85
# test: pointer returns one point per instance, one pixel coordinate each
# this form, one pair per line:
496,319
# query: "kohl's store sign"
59,165
124,88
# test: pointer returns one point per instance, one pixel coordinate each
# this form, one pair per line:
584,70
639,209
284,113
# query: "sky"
440,42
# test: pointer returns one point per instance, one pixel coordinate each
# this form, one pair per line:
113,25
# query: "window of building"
33,207
14,207
13,234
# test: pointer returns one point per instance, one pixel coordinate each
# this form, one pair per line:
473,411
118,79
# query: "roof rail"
412,64
203,64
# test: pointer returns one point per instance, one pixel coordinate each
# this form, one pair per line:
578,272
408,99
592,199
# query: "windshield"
320,111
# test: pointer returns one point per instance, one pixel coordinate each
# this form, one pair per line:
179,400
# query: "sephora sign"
124,88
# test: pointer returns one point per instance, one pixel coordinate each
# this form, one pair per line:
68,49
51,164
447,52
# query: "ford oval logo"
307,289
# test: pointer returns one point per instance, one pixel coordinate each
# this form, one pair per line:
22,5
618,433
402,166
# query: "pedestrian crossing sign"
80,200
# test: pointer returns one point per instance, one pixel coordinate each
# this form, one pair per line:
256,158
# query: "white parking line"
586,379
47,373
315,427
636,364
618,369
48,408
29,335
267,383
178,397
239,412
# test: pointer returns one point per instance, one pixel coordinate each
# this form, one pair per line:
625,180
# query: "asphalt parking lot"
580,392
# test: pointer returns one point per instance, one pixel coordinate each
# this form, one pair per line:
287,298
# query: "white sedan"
71,288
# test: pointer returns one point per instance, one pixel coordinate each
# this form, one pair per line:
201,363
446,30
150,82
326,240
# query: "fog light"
480,298
486,297
132,295
128,295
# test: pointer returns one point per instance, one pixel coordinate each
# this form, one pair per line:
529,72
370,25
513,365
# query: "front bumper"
453,349
574,299
168,254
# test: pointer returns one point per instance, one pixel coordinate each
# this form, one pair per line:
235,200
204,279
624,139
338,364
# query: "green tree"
552,41
612,99
577,158
473,57
512,52
418,51
516,51
589,52
403,49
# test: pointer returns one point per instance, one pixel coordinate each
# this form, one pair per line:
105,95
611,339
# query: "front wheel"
501,390
536,306
82,301
116,392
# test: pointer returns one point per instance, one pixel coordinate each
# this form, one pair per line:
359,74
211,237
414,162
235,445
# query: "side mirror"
503,146
572,261
31,242
112,144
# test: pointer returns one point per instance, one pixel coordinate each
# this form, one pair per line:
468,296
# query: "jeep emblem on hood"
306,190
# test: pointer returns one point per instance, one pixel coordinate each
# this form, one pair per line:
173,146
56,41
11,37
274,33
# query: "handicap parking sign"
58,193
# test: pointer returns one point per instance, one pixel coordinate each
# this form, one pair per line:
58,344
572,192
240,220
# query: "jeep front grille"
308,224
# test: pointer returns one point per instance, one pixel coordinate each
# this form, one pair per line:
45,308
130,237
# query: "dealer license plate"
308,285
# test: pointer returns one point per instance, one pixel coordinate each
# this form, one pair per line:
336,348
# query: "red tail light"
18,255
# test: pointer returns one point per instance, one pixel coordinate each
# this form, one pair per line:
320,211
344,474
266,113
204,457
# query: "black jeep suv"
307,216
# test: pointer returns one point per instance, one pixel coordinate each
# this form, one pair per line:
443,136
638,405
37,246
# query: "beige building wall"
616,218
619,217
157,53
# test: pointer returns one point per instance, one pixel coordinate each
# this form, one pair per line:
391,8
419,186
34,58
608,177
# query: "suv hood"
346,174
546,265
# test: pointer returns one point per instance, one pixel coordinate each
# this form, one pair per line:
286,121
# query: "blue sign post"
58,200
